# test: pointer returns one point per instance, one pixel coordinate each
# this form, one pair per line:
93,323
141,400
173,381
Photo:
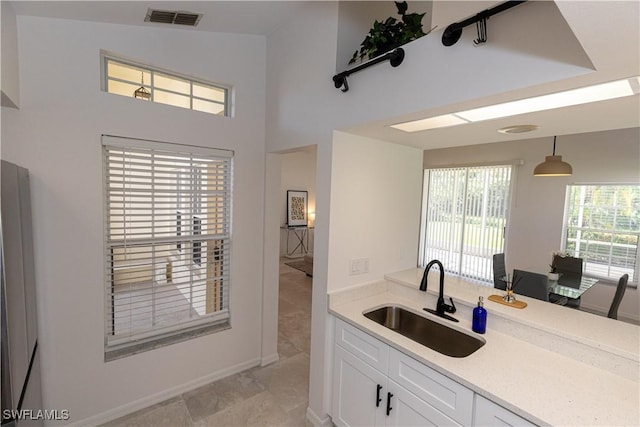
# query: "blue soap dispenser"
479,324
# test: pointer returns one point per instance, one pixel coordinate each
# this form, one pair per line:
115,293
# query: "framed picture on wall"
296,208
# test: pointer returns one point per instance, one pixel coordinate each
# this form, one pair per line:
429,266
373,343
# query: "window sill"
131,349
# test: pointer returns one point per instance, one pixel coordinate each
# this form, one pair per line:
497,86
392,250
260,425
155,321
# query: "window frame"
633,281
513,171
105,57
117,346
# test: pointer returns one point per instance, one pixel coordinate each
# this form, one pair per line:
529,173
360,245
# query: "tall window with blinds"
167,242
602,226
464,215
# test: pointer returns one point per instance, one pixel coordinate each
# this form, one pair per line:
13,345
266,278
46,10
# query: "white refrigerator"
21,389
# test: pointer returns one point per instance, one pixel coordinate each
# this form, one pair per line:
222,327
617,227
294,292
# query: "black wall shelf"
395,58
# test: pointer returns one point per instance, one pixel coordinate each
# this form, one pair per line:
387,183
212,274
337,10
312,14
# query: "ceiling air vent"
171,17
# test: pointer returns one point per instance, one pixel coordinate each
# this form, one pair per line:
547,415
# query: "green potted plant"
389,34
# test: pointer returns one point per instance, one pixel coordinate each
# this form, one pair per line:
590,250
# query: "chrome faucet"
441,307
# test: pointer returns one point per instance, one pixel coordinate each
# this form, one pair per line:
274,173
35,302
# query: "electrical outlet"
358,266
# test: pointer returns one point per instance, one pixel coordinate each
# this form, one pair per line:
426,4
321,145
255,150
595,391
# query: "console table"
300,240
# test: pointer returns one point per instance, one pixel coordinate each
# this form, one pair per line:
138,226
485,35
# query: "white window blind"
167,241
464,218
602,226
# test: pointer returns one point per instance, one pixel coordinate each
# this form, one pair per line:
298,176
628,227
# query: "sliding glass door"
464,216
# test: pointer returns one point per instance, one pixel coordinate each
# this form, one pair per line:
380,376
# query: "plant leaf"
401,6
354,57
413,19
390,21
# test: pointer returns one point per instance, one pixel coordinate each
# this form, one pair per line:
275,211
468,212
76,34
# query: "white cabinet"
406,409
444,395
487,413
364,346
359,396
375,385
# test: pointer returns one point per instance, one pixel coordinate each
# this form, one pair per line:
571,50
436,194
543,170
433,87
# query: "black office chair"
622,286
499,272
568,266
570,270
530,284
533,285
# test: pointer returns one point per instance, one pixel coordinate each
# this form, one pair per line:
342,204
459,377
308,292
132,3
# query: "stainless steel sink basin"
434,335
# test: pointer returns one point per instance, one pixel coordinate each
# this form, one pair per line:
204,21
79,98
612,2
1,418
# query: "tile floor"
274,395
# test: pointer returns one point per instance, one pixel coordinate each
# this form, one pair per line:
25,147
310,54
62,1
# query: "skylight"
584,95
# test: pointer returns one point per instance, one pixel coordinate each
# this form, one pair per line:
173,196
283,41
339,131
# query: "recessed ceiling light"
518,129
584,95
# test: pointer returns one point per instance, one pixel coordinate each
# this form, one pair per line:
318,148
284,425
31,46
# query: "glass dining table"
571,287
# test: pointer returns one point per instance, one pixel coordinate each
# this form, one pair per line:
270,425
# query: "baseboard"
317,421
625,317
593,309
145,402
268,360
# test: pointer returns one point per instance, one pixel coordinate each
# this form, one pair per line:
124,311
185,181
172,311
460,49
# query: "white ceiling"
244,17
608,32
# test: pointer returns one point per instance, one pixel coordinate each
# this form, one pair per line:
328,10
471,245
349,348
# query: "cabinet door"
488,413
356,388
406,409
440,392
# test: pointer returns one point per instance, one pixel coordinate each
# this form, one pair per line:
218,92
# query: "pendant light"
142,92
553,165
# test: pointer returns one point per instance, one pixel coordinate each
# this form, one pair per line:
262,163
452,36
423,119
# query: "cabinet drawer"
449,397
488,413
362,345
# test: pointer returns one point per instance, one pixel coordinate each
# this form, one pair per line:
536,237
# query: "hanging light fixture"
553,165
142,92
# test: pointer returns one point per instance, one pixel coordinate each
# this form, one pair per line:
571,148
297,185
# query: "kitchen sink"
427,332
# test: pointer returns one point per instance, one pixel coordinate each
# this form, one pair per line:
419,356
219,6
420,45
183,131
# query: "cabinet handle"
378,398
389,408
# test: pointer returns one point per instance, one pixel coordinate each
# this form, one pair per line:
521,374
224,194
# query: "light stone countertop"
549,364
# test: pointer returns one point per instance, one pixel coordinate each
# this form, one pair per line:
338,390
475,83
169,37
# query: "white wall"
271,273
375,208
300,60
56,134
9,56
535,228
